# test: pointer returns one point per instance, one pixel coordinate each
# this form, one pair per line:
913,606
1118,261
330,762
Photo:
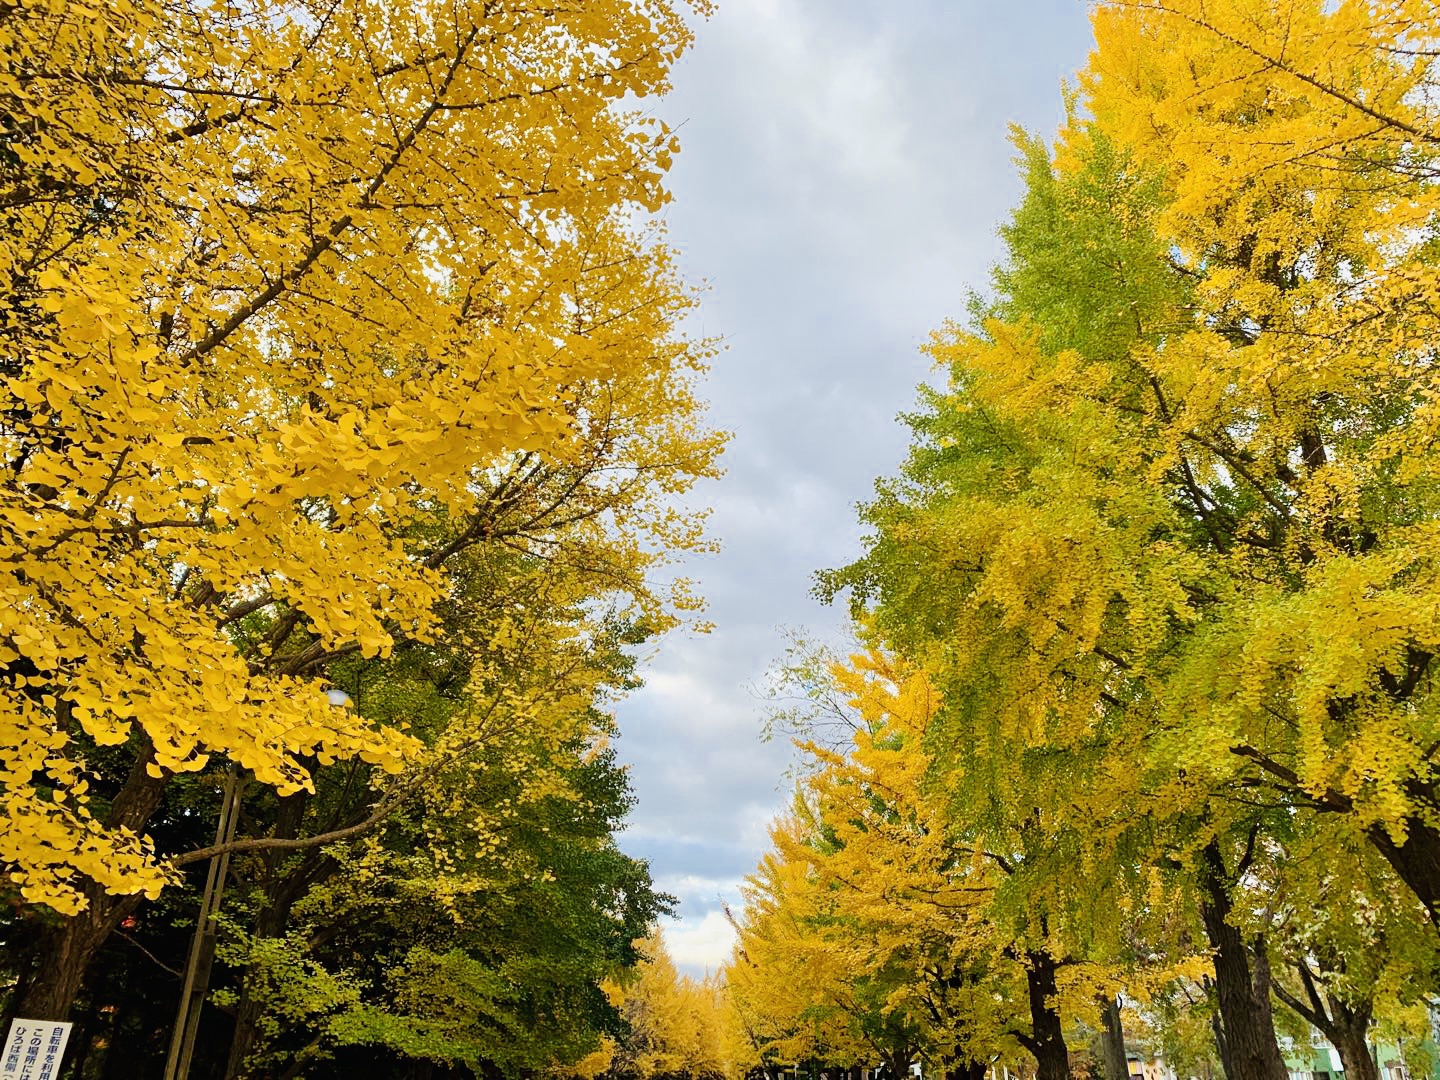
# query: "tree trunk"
69,947
1112,1041
964,1069
1416,861
1047,1037
1355,1056
1346,1026
272,922
66,953
1249,1050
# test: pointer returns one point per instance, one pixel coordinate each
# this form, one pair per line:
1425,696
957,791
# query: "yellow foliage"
870,928
285,279
678,1025
594,1064
1298,141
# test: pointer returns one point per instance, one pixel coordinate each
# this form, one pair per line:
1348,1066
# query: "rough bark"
1046,1040
69,947
67,951
1112,1041
1345,1026
1242,989
1355,1056
1416,861
281,894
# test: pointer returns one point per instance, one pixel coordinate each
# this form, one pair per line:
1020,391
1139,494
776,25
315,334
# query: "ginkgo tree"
1164,541
808,981
885,914
678,1026
481,936
1033,633
285,281
1298,142
515,794
403,942
1353,955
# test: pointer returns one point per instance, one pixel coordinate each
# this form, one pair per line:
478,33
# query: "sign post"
33,1049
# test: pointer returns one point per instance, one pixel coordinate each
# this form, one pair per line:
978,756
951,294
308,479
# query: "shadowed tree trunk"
964,1069
1417,860
1046,1040
899,1062
1112,1041
1345,1026
1242,989
70,946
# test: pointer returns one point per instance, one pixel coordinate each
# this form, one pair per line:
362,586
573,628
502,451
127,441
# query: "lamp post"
202,945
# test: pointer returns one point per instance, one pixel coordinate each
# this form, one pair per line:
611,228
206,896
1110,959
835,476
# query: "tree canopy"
348,417
342,352
1161,555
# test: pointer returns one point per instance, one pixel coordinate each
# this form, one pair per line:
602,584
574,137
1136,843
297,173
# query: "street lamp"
207,931
202,944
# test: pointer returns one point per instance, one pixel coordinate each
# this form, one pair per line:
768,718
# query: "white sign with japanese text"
33,1049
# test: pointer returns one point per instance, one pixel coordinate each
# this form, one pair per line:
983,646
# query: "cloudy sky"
845,168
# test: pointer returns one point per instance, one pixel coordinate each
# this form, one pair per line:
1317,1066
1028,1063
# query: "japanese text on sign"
33,1049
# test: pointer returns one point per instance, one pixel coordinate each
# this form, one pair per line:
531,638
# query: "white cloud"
699,946
820,84
844,169
694,886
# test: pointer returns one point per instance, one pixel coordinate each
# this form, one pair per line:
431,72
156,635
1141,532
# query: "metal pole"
202,945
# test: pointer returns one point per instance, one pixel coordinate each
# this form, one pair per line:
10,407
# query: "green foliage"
466,945
1170,577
